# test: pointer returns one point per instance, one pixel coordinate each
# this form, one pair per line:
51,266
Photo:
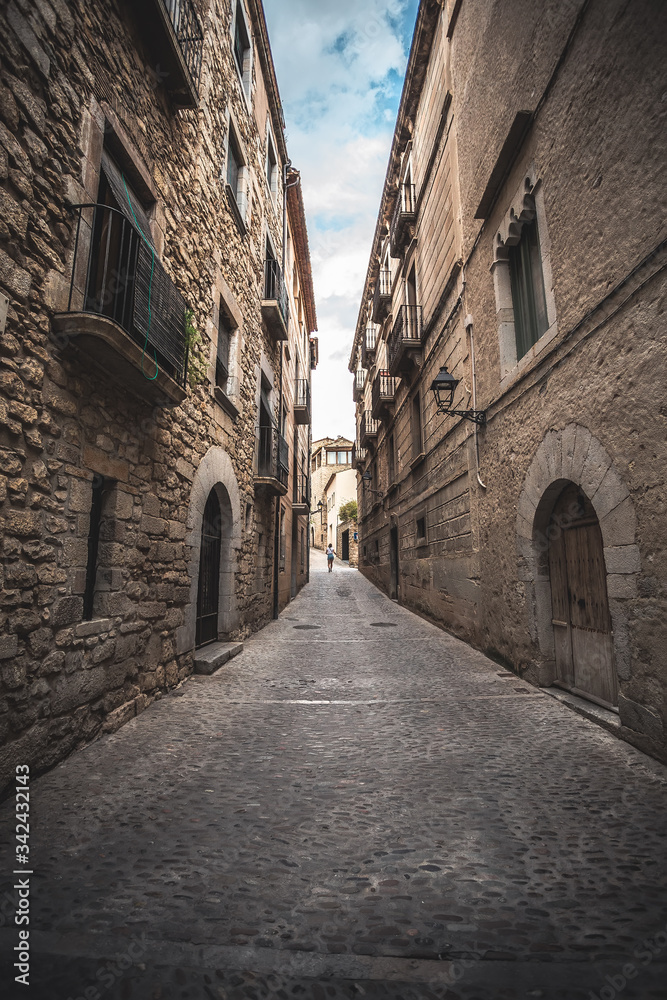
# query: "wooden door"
582,624
393,564
209,573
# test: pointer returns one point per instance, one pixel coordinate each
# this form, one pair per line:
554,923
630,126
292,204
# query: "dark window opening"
528,298
416,426
234,164
390,459
100,489
225,334
241,40
421,528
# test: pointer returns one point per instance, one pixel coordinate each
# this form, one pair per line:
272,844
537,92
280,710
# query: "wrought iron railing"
406,331
121,278
302,393
301,492
274,286
368,344
359,383
272,455
384,389
358,454
382,295
369,426
189,34
406,205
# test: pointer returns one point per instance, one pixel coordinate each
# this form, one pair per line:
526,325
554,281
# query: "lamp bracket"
476,416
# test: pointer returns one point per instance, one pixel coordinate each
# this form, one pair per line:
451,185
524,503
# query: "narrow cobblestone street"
357,805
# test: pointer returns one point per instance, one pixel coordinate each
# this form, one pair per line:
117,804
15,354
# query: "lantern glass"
444,386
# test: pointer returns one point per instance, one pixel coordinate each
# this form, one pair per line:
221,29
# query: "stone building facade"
156,356
520,244
329,455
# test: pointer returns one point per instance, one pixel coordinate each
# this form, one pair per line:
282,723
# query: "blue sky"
340,69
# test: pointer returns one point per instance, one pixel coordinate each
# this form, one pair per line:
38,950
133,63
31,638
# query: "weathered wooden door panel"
583,642
593,656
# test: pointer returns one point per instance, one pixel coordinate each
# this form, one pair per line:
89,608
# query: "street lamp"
366,480
444,386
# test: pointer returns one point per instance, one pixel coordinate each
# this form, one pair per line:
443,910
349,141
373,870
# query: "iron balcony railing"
358,454
368,345
272,455
369,428
384,389
124,281
404,215
302,393
406,331
189,34
359,383
301,492
382,295
274,286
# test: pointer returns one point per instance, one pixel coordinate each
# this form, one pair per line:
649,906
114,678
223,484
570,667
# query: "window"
421,529
319,460
271,164
283,540
242,47
391,460
314,463
416,426
237,178
331,458
101,487
343,458
225,333
303,551
522,281
528,299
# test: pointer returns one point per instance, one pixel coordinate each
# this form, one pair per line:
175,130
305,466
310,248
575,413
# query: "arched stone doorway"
214,478
208,593
564,457
583,642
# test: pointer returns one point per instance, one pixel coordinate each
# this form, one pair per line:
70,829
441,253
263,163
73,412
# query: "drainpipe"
469,327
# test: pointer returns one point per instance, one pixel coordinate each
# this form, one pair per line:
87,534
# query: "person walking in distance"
330,556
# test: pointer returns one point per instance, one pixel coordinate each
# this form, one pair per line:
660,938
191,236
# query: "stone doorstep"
211,658
596,713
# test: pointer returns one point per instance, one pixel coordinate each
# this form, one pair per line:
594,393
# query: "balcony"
271,462
382,296
404,218
359,383
368,345
358,456
301,494
368,431
301,401
174,33
124,312
384,395
404,345
275,308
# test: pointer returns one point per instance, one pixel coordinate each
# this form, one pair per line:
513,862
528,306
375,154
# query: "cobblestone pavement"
359,805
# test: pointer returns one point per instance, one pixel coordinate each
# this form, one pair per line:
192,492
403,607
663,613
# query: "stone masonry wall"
68,70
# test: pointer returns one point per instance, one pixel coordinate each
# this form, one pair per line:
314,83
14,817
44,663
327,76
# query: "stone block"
80,496
14,278
212,657
611,492
621,585
9,645
153,525
20,574
595,468
622,559
53,663
152,505
67,611
119,717
640,718
24,523
26,35
106,465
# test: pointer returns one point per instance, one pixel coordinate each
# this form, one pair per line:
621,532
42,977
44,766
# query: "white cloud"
340,70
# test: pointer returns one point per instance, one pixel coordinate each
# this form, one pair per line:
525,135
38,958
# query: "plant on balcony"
197,359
